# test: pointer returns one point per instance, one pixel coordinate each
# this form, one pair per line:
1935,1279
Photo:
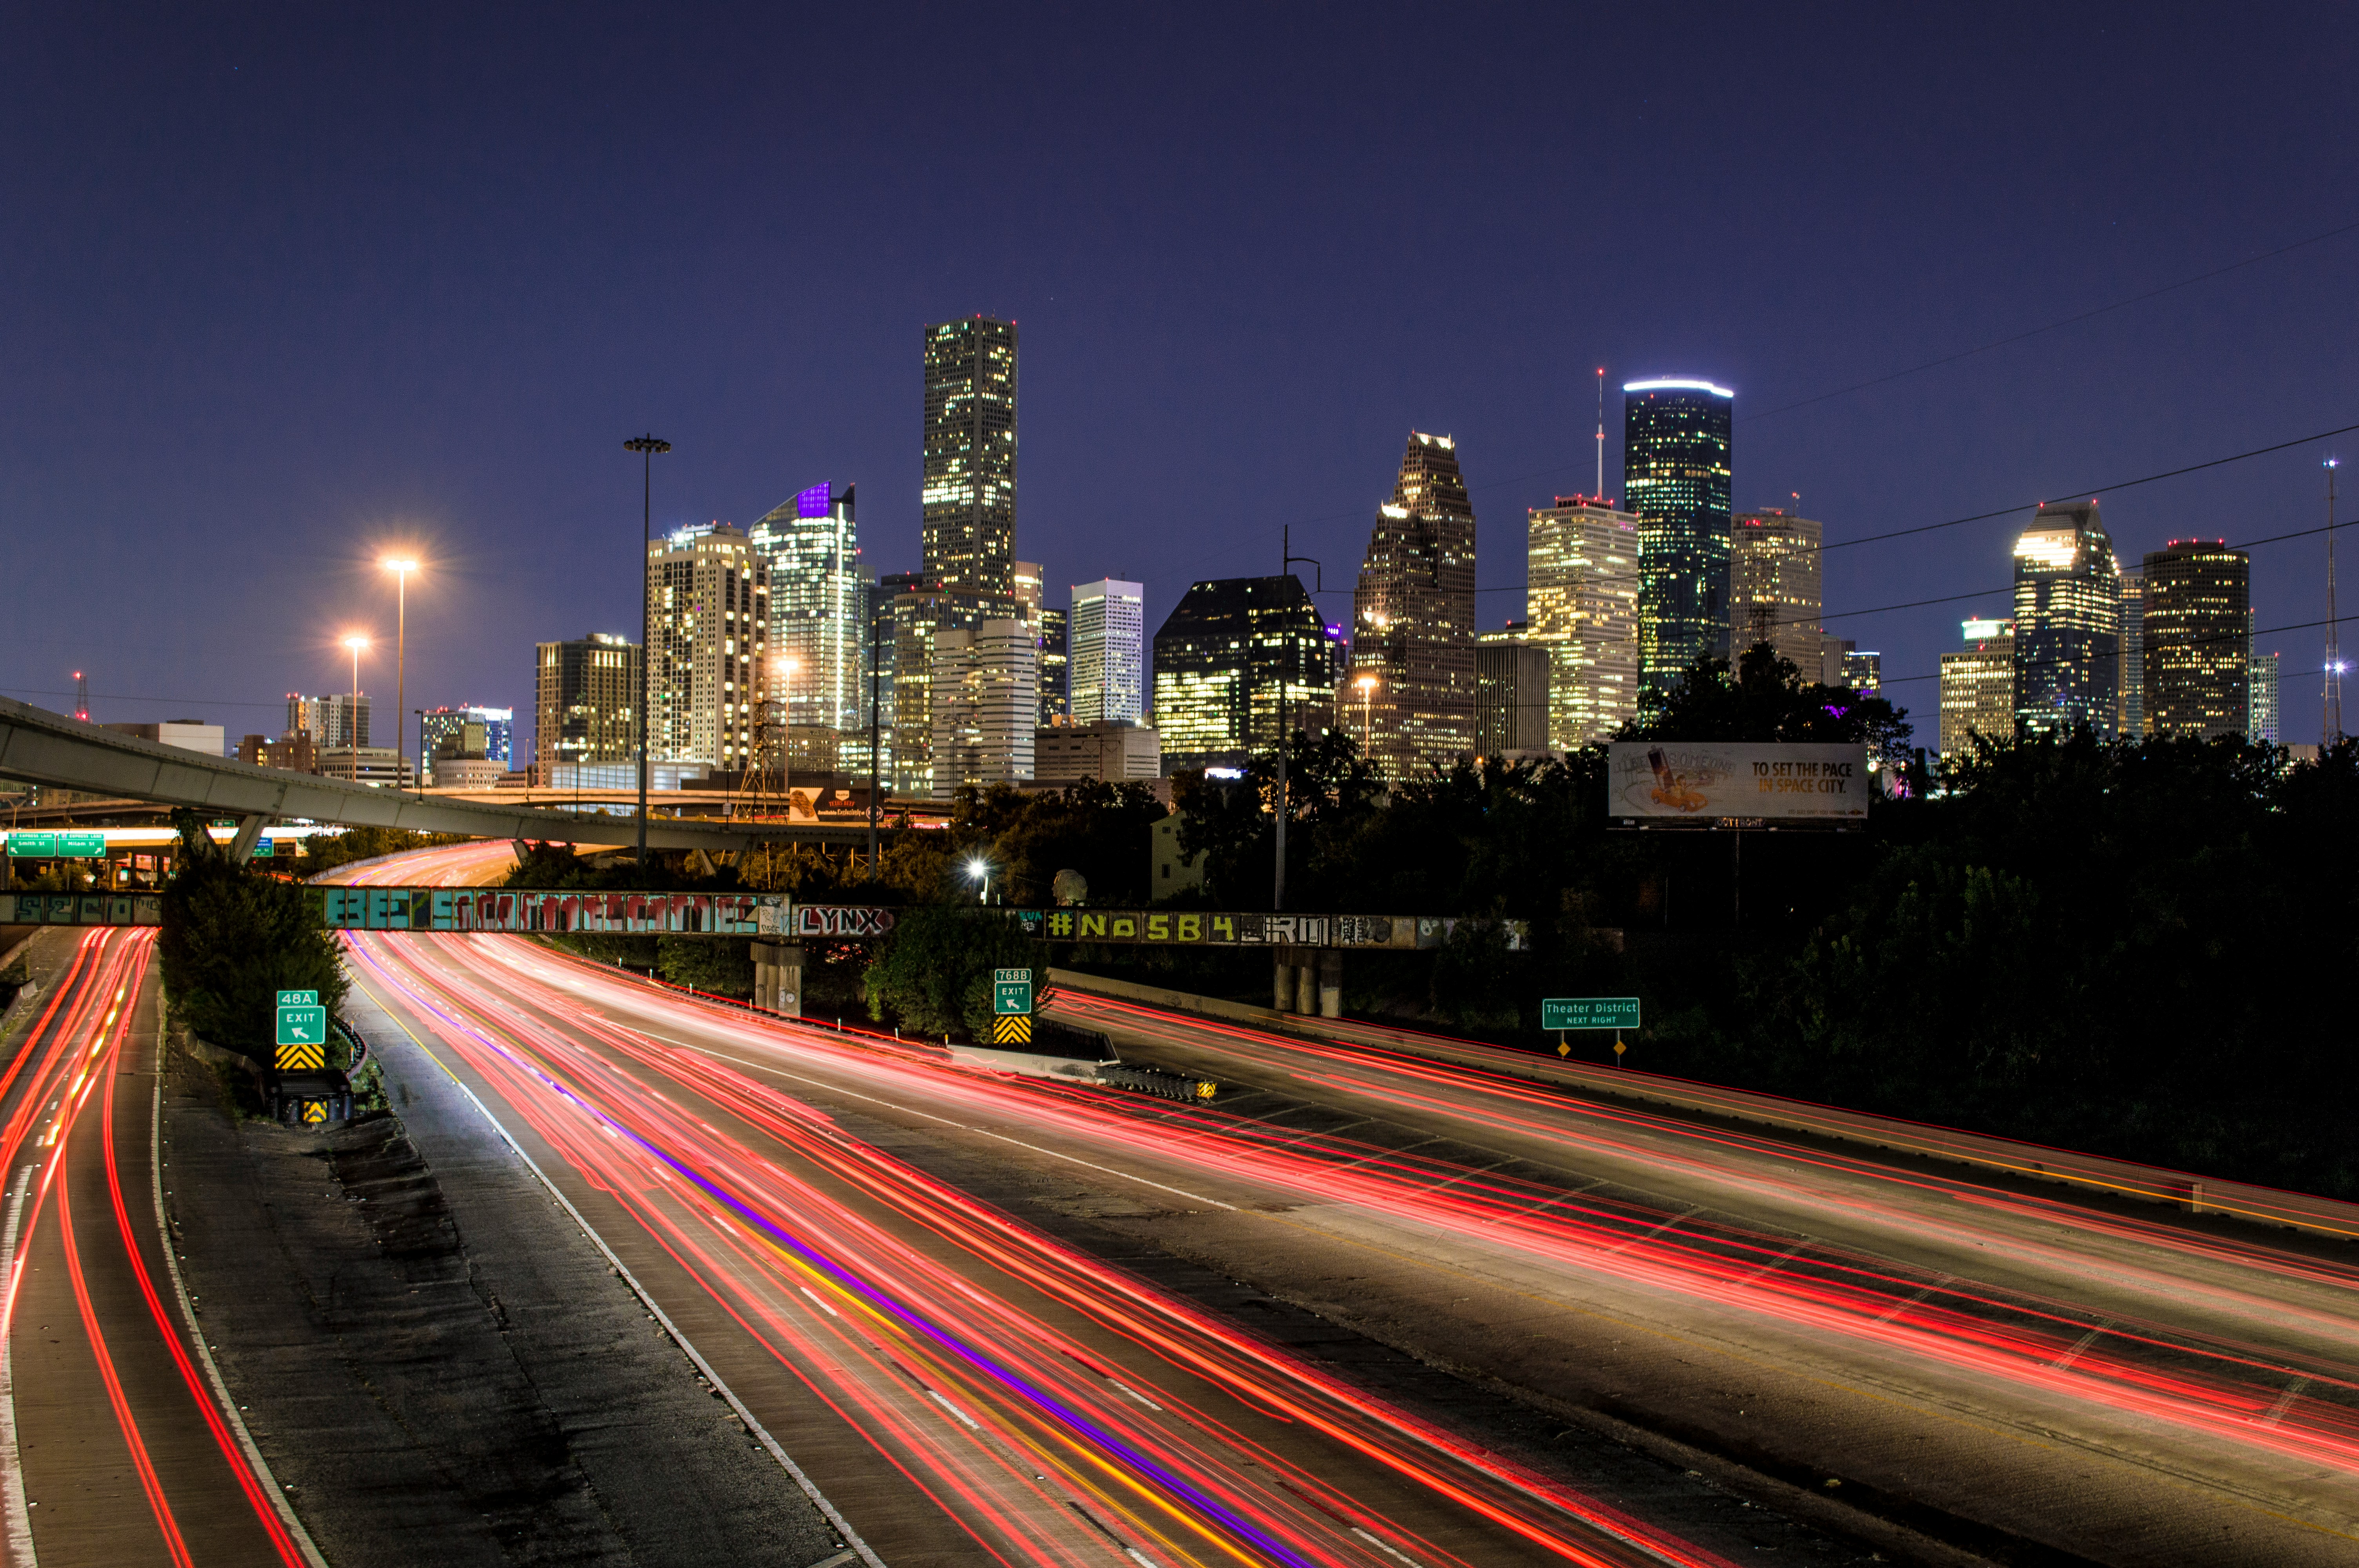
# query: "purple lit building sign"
811,503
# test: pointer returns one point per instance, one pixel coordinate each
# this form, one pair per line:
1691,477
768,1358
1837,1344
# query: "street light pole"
647,446
400,570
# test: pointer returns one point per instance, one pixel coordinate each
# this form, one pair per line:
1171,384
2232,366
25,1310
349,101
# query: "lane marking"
646,1298
11,1464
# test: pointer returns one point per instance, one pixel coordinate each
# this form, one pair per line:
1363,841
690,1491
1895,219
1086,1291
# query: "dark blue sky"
285,285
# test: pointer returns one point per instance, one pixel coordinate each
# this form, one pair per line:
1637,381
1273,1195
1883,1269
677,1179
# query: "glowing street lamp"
401,566
357,643
979,870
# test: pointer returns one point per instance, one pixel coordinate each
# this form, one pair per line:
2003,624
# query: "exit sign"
1011,993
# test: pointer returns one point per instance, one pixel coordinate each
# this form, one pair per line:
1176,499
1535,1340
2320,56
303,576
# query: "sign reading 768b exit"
1011,993
1589,1012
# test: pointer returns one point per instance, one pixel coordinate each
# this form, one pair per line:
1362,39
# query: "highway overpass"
44,747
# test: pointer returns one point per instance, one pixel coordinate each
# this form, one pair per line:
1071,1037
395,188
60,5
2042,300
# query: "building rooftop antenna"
81,697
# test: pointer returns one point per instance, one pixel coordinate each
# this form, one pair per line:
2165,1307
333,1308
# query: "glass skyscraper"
1675,468
817,603
2261,695
1106,669
2067,610
1224,656
1580,599
968,533
1413,616
1774,594
2199,628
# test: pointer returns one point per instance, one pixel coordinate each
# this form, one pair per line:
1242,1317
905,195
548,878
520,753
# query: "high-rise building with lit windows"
1106,669
2199,629
1978,687
811,545
1225,657
2130,688
2067,609
969,531
2261,695
1413,616
984,706
1675,476
1056,706
586,692
1581,606
1773,586
708,633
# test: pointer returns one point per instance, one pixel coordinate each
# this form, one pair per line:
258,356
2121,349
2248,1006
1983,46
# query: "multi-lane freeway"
1949,1364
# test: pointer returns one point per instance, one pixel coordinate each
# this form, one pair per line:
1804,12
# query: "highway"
116,1444
1968,1365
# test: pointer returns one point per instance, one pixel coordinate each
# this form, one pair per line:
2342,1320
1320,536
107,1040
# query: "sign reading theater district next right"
1702,781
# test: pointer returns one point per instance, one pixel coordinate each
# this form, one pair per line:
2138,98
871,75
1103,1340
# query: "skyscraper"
1978,687
1511,693
464,734
1580,604
708,621
812,547
1105,672
586,692
2198,625
1675,476
970,483
883,640
2131,683
1413,615
1773,585
332,720
1054,703
984,706
2261,696
2066,622
918,614
1223,657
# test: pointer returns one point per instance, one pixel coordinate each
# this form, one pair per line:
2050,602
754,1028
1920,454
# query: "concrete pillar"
779,978
1330,982
1306,987
1281,979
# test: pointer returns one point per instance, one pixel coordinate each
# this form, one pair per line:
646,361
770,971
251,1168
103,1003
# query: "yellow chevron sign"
305,1058
1012,1029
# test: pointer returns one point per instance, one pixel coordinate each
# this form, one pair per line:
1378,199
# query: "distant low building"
468,772
294,751
187,734
373,765
1168,870
1108,751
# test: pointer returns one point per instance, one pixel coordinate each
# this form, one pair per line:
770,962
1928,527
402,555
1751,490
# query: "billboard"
1705,780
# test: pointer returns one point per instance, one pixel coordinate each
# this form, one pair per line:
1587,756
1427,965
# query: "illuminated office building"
969,530
2067,624
1675,476
1773,586
335,720
709,627
2199,626
1106,669
1056,706
586,694
2131,683
1581,605
463,735
1862,669
1978,687
1224,657
810,546
1511,693
983,705
1413,616
2261,695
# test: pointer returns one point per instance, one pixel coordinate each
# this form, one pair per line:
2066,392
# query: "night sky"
285,287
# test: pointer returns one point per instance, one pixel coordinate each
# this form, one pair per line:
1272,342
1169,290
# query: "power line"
2191,642
2054,326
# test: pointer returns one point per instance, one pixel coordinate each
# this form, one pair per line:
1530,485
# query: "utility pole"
647,446
2331,730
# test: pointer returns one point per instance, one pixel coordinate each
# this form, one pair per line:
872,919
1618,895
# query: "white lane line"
2285,1401
11,1466
654,1309
2073,1352
1386,1546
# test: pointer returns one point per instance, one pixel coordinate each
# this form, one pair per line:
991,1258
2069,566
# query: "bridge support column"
779,978
249,834
1281,979
1330,982
1306,981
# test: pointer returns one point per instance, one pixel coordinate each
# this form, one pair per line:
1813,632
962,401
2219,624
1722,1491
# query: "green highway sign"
262,851
1589,1012
37,846
1011,993
299,999
83,845
304,1025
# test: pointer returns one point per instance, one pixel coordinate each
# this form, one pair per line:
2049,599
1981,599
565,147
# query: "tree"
232,939
934,970
1765,700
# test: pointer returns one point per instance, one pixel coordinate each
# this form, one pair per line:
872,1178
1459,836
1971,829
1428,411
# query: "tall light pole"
352,714
647,446
786,667
400,568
